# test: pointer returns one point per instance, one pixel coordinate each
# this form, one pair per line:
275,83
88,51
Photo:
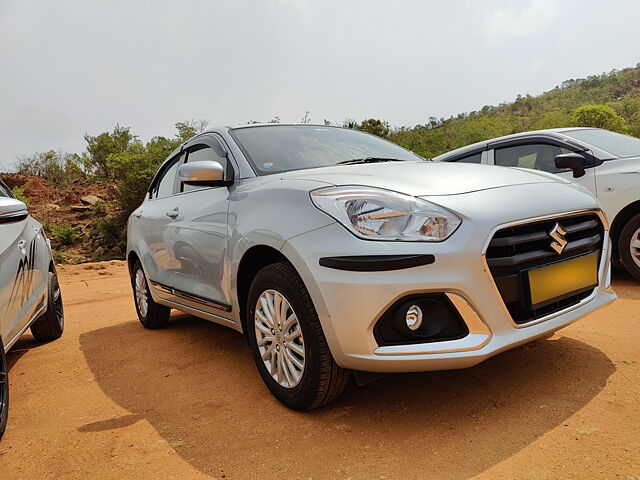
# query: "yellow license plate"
562,278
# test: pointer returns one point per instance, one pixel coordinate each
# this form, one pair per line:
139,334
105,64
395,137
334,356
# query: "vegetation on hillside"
117,167
610,100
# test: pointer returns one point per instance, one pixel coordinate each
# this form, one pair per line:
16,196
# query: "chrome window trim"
601,270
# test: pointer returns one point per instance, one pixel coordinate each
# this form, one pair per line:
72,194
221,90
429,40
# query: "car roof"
250,125
551,132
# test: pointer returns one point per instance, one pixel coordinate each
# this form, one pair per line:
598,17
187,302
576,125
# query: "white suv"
336,251
29,291
606,163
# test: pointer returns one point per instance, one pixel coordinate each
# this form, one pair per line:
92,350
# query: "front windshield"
621,146
281,148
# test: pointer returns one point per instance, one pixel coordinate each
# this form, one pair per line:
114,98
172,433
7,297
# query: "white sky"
68,67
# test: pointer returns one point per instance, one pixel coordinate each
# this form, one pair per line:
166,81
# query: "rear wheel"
4,390
629,246
151,314
51,324
287,341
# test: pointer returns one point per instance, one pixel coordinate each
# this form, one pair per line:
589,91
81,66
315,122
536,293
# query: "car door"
158,210
198,236
20,271
540,155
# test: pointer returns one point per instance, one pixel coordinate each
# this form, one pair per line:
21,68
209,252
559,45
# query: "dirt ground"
111,400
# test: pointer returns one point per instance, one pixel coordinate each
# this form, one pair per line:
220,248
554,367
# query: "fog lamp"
413,317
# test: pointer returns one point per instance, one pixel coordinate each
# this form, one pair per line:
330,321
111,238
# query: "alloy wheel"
141,293
634,246
279,338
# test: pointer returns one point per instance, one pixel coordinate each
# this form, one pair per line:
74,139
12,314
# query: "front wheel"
629,246
287,341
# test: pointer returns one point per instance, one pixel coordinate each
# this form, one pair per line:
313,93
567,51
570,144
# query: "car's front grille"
513,251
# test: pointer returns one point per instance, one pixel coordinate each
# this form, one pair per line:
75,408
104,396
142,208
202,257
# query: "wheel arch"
619,222
132,258
253,260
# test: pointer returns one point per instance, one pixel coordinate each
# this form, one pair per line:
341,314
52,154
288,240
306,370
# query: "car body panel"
421,178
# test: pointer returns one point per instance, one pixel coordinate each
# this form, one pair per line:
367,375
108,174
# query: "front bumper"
350,303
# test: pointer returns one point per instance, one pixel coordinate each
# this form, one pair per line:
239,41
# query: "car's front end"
521,262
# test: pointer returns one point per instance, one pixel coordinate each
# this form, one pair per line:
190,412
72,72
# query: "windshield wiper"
368,160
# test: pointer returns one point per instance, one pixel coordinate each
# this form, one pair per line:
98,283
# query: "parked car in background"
335,251
29,291
604,162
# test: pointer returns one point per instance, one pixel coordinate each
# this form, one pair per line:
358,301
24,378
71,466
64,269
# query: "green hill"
610,100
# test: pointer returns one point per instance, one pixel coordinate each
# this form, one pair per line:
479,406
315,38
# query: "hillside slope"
619,90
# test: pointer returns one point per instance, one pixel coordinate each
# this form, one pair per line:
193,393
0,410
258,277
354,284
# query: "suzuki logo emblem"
557,233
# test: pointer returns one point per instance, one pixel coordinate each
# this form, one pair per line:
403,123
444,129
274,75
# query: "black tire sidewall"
4,415
623,246
304,393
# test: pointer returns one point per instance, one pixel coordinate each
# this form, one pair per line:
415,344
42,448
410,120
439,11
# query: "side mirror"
573,161
205,173
12,210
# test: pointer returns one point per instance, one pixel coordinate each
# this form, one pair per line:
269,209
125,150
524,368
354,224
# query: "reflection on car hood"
424,178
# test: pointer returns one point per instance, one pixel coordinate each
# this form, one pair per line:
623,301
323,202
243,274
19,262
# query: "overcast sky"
70,67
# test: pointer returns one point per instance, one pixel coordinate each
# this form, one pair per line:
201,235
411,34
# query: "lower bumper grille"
513,251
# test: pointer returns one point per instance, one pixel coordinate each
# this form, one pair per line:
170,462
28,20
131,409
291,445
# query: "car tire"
320,380
152,315
50,325
629,246
4,390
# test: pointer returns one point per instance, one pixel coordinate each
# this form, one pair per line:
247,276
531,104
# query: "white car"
335,251
29,291
604,162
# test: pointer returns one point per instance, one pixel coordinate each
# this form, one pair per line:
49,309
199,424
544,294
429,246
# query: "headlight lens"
377,214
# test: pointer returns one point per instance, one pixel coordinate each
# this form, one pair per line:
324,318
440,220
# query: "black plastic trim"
376,263
191,296
13,217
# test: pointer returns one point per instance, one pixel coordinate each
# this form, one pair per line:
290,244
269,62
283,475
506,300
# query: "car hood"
424,178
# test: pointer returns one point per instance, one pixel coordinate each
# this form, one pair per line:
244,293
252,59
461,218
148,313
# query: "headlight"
376,214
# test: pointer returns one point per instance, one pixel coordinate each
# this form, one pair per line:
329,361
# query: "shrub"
600,116
20,193
64,234
99,208
109,233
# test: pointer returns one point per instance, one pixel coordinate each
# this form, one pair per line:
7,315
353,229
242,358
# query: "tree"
100,147
190,128
375,127
600,116
55,166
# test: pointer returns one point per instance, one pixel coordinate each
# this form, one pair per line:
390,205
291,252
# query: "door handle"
173,213
22,244
137,214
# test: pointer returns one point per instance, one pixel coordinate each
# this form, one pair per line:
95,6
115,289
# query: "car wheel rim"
57,304
279,338
634,245
141,293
